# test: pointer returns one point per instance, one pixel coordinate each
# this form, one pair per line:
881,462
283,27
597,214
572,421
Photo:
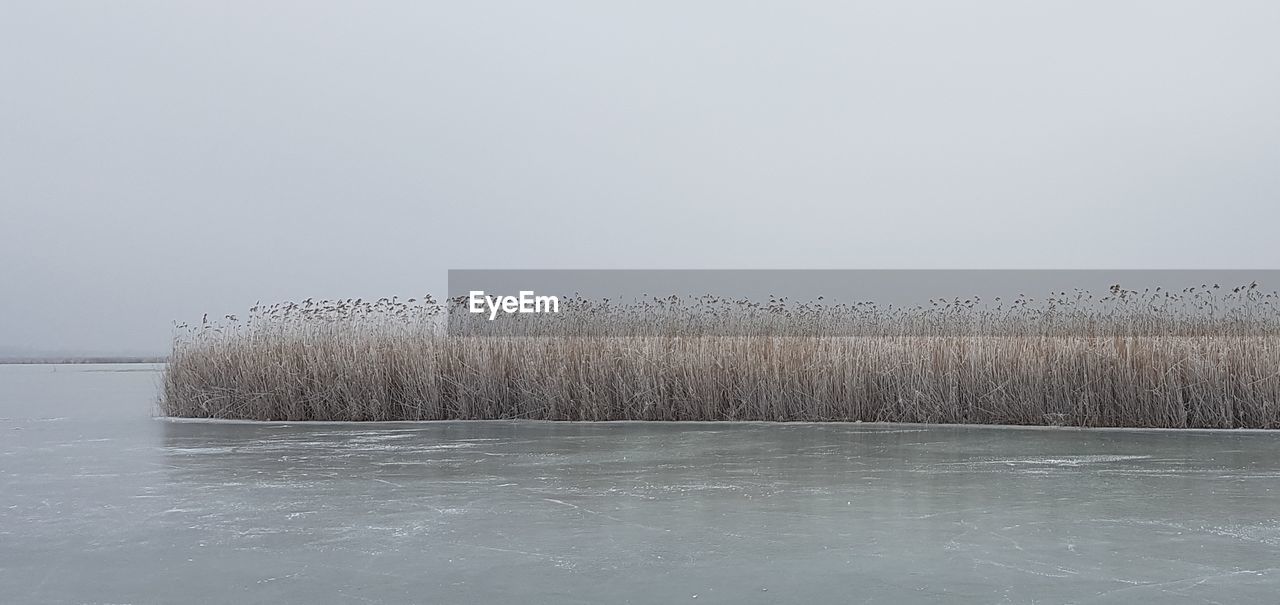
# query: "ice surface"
101,503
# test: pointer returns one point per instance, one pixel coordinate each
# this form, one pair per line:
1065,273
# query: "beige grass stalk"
1149,363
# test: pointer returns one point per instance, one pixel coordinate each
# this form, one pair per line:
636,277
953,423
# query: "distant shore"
81,360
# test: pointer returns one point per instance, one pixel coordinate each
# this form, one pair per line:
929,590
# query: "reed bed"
1204,357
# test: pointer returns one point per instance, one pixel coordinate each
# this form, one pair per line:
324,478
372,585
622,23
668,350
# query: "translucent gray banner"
836,303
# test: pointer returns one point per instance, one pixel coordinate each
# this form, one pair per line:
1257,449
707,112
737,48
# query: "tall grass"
1206,357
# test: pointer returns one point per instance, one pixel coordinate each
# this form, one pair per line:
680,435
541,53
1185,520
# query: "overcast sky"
163,159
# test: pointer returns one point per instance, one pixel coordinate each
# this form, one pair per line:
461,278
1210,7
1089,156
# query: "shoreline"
875,425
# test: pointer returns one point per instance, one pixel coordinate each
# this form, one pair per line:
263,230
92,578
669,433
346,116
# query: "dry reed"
1203,358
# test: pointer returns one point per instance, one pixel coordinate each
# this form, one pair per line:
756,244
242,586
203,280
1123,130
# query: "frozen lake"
101,503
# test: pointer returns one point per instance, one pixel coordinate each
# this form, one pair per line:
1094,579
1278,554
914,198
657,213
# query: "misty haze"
909,302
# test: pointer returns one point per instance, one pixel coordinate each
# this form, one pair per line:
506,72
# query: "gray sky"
162,159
